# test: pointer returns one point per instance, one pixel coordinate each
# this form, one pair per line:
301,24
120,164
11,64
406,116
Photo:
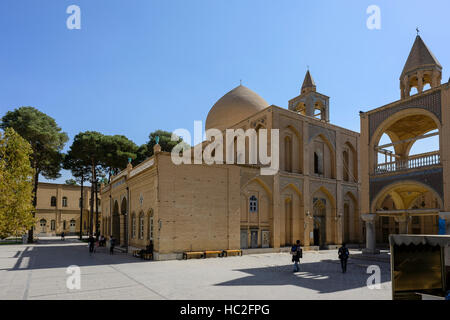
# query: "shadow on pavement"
61,254
324,276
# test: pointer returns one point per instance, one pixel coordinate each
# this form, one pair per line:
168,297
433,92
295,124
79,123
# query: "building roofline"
410,98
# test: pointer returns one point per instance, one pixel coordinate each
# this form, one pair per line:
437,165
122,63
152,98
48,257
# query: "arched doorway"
124,222
116,222
288,222
351,223
320,228
43,224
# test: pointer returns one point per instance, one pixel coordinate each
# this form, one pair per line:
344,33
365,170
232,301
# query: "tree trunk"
97,231
35,187
91,215
81,209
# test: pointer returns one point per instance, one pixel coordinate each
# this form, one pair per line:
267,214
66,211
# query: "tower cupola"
421,68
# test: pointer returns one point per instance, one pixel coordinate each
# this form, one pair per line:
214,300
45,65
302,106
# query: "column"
276,212
420,81
446,217
403,223
369,219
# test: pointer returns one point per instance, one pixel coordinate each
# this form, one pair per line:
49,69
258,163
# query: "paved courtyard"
39,272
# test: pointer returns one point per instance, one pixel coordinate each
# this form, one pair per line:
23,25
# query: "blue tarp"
442,227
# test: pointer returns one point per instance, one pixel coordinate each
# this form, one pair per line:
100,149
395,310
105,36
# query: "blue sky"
140,65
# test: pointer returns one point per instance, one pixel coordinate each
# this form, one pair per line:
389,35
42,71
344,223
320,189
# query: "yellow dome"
235,106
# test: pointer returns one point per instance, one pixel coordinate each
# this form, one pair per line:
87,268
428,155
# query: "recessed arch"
123,206
392,119
403,193
404,128
331,149
261,183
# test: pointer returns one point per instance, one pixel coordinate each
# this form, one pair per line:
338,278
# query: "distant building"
58,209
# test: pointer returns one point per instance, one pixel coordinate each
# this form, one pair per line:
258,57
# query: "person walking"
297,253
62,236
112,243
91,242
343,256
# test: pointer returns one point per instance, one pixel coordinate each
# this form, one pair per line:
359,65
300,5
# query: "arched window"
253,204
316,163
150,225
288,154
133,226
141,226
345,166
53,225
64,201
53,201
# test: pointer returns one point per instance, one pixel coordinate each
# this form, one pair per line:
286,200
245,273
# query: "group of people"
101,242
297,254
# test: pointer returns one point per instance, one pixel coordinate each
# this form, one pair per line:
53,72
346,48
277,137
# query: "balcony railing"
413,162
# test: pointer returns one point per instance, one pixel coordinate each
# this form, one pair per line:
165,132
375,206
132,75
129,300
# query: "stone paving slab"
38,271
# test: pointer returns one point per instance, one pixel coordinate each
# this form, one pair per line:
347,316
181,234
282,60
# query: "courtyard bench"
227,253
147,256
193,254
213,254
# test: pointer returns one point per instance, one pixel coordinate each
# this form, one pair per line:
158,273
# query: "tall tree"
16,187
117,150
165,141
87,148
46,139
81,173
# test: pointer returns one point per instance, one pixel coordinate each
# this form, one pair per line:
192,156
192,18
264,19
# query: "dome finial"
418,31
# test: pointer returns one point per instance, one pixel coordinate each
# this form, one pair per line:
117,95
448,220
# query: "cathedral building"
314,197
405,190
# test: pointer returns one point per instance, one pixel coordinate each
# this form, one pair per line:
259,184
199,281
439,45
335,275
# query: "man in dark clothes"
343,256
148,249
91,242
297,253
112,243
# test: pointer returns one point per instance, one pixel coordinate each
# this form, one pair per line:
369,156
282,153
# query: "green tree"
80,171
16,187
71,182
88,150
117,150
46,139
165,141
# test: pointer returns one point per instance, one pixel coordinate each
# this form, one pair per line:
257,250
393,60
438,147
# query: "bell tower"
311,103
420,69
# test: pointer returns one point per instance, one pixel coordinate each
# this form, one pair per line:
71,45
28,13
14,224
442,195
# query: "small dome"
235,106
